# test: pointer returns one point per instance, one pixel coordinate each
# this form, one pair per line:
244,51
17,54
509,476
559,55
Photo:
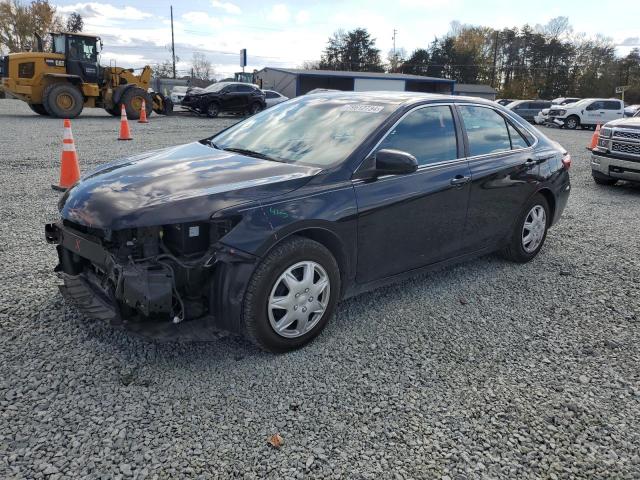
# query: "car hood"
198,91
178,184
629,122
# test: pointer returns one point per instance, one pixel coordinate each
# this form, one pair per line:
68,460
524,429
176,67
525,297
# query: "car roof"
398,98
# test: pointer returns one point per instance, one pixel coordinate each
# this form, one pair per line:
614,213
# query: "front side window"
83,49
311,130
429,134
486,130
58,44
245,88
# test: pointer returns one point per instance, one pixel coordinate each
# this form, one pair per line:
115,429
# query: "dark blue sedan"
264,227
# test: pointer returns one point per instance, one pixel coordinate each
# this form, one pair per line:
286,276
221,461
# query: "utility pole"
173,46
395,57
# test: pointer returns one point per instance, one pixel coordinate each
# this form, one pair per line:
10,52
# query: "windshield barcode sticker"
354,107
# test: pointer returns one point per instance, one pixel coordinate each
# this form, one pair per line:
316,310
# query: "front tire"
213,110
255,108
132,101
572,122
601,179
530,231
291,295
63,100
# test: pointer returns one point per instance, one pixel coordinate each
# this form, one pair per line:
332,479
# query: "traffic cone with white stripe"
125,134
143,113
69,167
594,138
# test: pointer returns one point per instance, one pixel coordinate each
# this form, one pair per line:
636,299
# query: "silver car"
617,154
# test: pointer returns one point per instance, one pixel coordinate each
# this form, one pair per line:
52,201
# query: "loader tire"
39,109
132,101
63,100
113,111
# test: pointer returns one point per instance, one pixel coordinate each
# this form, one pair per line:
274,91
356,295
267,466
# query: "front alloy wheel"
291,295
299,299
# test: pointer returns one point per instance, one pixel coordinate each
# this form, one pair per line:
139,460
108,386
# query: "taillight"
566,161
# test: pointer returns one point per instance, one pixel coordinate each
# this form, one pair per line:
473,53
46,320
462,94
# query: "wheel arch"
324,236
551,200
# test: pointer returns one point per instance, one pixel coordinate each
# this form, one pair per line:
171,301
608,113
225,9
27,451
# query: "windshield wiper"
251,153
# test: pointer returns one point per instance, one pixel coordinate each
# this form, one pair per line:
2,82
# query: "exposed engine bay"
159,275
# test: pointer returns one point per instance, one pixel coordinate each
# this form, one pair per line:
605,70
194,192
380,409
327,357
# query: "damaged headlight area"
163,273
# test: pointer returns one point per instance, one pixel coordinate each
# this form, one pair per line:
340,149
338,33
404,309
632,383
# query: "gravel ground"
483,370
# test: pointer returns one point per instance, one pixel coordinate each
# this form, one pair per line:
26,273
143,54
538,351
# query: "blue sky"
281,33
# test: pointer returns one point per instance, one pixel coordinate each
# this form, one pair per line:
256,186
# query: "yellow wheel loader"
68,77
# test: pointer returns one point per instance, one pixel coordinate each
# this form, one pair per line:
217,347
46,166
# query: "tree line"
527,62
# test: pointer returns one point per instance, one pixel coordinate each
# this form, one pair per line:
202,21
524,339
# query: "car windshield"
311,130
216,87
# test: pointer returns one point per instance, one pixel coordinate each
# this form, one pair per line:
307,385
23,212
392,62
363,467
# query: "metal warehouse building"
475,90
293,82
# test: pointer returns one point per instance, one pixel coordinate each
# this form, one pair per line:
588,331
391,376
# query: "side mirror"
394,162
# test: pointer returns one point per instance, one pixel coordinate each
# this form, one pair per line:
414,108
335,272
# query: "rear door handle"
459,180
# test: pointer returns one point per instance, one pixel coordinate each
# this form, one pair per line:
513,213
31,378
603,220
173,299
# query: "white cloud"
279,13
201,19
302,16
228,7
104,13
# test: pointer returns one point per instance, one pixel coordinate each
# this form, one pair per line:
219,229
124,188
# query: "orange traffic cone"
594,138
69,168
143,113
125,134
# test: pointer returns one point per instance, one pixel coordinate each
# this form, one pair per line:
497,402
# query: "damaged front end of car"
169,282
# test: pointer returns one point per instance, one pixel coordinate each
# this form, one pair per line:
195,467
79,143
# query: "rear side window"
486,130
271,95
244,88
429,134
612,105
517,140
522,106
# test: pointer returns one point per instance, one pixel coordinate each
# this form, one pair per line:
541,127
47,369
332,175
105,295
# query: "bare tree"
202,68
164,69
310,65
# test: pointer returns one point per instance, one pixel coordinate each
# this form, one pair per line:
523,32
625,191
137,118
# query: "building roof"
342,73
473,88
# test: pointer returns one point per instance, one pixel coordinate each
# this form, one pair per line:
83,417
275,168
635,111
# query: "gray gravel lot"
483,370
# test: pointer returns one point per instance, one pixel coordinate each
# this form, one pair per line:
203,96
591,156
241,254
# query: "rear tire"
602,179
530,231
132,101
268,282
39,109
63,100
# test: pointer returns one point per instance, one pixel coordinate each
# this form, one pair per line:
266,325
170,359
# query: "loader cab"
81,54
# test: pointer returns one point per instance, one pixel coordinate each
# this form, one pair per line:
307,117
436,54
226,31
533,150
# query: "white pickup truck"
588,112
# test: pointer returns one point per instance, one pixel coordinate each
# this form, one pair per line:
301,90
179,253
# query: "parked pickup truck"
587,113
617,155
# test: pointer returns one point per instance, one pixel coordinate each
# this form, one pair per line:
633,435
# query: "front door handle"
460,180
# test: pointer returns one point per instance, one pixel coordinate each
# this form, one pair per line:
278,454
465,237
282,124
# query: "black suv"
233,97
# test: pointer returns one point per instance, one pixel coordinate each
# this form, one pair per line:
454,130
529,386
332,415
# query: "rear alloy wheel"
530,231
63,100
572,122
291,295
213,109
